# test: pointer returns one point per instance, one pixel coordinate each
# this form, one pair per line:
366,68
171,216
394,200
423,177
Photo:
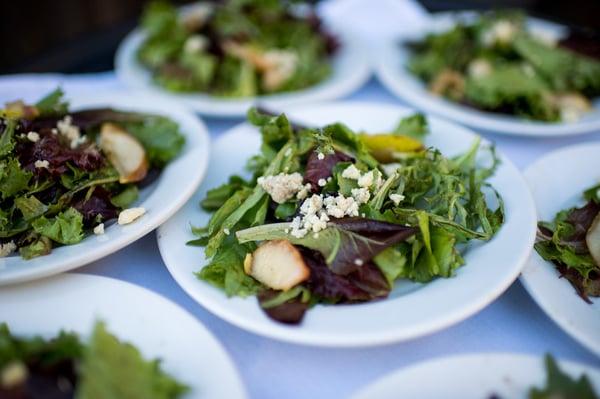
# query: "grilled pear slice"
277,264
124,152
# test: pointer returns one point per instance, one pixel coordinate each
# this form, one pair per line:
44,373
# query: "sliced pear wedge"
592,239
124,152
277,264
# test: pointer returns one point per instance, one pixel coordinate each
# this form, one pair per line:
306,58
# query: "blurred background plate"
477,376
156,326
391,69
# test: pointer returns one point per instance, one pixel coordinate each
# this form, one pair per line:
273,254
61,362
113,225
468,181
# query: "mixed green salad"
65,174
65,367
236,48
334,216
572,242
560,385
494,63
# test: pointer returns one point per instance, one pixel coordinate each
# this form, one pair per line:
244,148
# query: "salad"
66,367
64,175
572,242
333,216
494,63
236,48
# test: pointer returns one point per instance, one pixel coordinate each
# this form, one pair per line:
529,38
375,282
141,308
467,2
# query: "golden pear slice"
277,264
592,239
124,152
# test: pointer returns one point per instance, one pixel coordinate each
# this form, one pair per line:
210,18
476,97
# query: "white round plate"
476,376
557,182
156,326
391,69
350,71
176,183
412,309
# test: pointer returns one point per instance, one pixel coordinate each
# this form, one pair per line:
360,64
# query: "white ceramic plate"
391,69
156,326
471,377
176,183
412,309
350,71
557,182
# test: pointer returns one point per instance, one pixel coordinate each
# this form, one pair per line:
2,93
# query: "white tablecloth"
271,369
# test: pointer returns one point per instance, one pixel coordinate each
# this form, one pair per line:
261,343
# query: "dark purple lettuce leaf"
584,288
317,169
290,312
365,284
581,219
84,119
51,148
363,240
97,205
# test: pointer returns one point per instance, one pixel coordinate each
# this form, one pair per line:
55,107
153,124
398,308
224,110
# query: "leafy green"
39,247
114,369
64,228
561,385
258,30
13,178
126,197
52,104
415,126
513,73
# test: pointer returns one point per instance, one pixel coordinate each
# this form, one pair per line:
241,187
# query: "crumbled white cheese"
282,187
130,215
70,131
397,198
99,229
302,194
41,164
320,156
501,32
340,206
361,195
13,374
479,68
195,44
322,182
54,131
33,137
226,231
7,249
351,172
358,262
366,180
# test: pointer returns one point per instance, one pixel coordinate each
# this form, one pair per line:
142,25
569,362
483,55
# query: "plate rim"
581,336
201,153
476,119
368,339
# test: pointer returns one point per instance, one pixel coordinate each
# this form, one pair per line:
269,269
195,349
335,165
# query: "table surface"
272,369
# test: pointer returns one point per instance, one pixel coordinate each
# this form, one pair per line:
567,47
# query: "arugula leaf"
126,197
562,385
414,126
64,228
52,104
217,197
30,207
115,369
226,270
7,142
